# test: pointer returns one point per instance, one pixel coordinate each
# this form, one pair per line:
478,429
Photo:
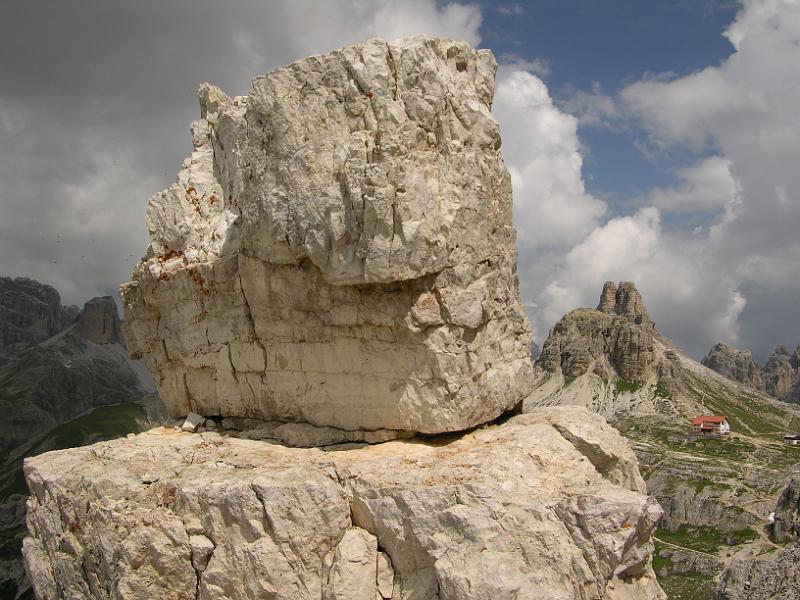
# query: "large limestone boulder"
546,505
338,249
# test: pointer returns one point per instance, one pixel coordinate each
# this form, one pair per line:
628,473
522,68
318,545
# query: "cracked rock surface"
338,250
549,504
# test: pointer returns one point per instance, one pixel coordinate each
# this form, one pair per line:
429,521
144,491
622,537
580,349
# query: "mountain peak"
614,341
622,299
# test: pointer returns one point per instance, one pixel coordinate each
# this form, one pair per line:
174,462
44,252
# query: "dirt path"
715,557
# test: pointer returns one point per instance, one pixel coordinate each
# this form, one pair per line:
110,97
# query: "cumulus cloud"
736,278
746,110
704,186
594,108
690,301
510,10
538,66
542,150
552,209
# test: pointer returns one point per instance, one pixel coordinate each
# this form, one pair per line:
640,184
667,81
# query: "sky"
648,140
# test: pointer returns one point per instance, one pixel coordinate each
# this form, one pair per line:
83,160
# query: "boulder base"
547,505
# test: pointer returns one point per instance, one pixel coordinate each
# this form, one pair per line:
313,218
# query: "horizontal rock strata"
338,249
547,505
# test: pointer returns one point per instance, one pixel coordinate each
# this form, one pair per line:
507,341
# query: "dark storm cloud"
96,100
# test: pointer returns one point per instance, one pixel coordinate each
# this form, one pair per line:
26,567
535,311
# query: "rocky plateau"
545,505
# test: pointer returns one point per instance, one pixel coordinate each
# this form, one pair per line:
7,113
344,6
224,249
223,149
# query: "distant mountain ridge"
779,377
717,493
65,379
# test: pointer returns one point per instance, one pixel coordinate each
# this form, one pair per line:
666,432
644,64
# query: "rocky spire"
608,298
782,374
735,364
30,312
624,300
584,340
779,377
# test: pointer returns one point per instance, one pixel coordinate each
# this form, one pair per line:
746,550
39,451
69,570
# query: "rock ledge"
547,505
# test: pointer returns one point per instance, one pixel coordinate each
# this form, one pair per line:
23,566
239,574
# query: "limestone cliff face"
547,505
46,386
338,249
787,513
80,368
99,321
30,312
616,339
777,573
782,374
779,377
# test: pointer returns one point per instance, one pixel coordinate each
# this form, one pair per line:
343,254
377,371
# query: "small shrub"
662,391
627,386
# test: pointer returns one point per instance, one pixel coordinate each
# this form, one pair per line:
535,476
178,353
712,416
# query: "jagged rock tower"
337,255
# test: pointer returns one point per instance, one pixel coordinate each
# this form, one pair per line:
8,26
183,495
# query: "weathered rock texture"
624,300
338,249
546,505
787,513
616,340
80,368
774,575
47,385
30,312
779,377
720,489
782,374
777,573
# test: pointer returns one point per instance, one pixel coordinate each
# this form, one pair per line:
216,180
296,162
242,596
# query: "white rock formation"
547,505
338,249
